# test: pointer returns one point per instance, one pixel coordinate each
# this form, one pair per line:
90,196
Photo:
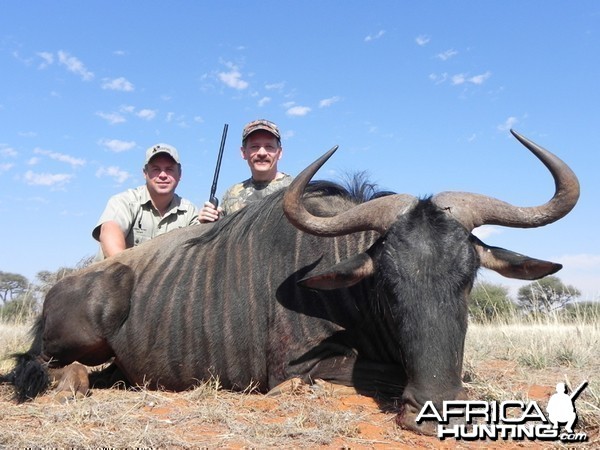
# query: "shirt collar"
175,204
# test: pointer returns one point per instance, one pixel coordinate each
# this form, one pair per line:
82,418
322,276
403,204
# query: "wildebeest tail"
29,377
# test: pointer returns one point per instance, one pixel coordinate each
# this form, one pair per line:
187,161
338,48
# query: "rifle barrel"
213,188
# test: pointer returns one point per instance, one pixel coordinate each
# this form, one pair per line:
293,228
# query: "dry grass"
502,362
541,353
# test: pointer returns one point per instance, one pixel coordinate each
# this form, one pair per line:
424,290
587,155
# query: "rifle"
214,200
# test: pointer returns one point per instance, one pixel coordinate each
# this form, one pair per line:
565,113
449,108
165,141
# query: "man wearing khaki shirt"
138,215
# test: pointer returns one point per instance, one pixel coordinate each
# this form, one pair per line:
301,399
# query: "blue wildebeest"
311,284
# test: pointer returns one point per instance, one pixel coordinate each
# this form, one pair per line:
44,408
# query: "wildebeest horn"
473,210
377,214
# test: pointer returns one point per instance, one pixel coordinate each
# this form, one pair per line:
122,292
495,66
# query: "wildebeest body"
173,313
226,309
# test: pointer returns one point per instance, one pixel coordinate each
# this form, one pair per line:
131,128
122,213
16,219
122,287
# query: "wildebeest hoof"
406,419
291,386
73,382
334,389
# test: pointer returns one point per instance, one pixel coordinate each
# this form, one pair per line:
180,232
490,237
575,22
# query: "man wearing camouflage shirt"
261,148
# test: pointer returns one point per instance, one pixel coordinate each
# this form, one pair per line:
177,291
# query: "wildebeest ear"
511,264
344,274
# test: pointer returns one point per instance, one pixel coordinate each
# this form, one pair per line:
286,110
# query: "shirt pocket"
141,235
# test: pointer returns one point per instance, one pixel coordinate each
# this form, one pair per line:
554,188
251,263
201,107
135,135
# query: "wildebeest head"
424,265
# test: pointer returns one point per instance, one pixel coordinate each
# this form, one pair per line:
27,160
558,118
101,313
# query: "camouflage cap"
162,148
260,124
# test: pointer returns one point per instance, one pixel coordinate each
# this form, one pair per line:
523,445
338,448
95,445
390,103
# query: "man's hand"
209,213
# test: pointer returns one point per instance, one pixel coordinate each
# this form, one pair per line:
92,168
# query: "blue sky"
421,95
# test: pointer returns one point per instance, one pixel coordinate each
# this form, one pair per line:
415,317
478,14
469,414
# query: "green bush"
583,312
490,303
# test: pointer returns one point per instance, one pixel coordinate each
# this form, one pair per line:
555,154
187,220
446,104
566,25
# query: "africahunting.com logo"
516,420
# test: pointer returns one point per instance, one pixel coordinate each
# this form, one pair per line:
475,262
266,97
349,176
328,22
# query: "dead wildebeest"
313,284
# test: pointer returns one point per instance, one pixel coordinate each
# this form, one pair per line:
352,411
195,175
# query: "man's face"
162,175
262,151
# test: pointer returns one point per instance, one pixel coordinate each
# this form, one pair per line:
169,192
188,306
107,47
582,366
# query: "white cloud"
458,79
198,119
379,34
120,176
263,101
582,262
147,114
508,124
118,84
112,118
179,120
47,179
438,79
74,162
233,78
26,61
328,101
127,109
422,40
74,65
116,145
485,231
48,59
445,56
7,151
275,86
33,161
461,78
288,134
298,111
479,79
5,167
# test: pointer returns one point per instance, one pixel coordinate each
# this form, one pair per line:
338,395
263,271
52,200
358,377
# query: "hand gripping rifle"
214,200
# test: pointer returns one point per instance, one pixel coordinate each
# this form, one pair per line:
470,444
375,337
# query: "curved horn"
375,215
473,210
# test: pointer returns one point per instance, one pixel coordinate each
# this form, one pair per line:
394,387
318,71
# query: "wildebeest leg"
296,384
340,365
72,380
365,376
81,313
80,316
